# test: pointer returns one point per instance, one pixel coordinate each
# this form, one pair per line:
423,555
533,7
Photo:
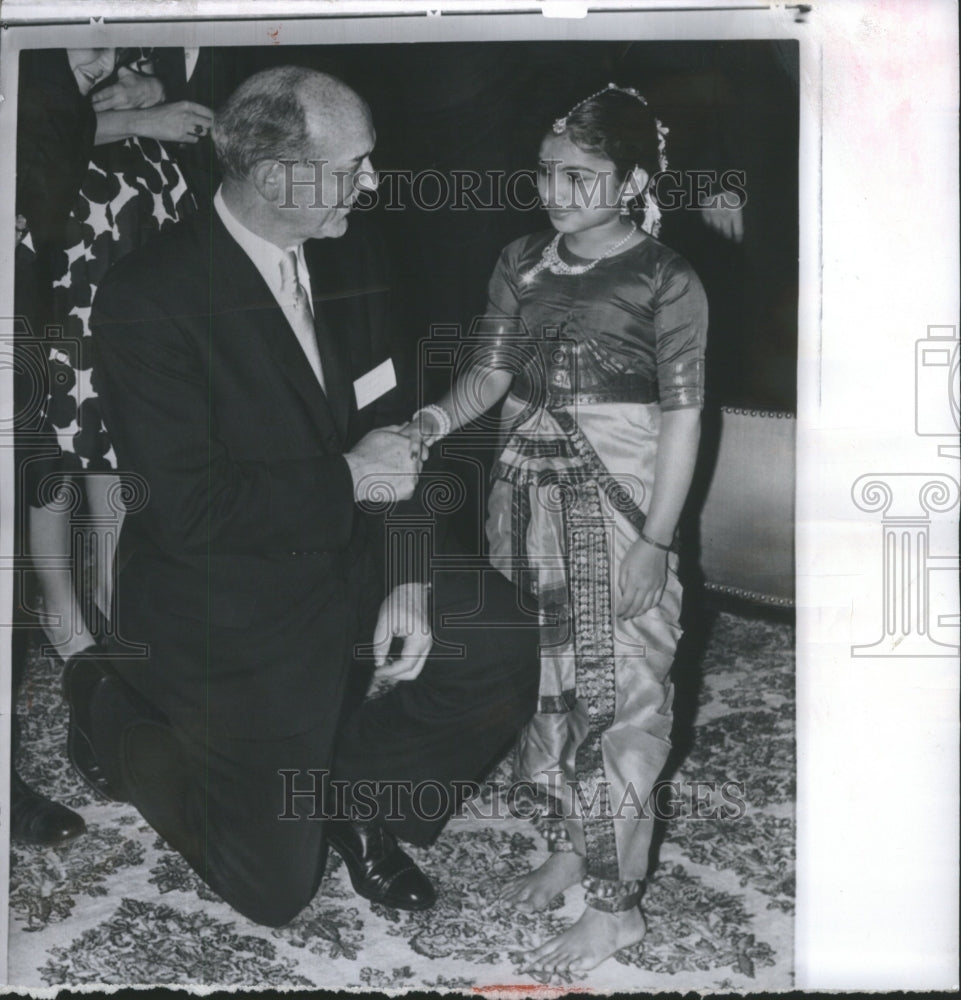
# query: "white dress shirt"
267,259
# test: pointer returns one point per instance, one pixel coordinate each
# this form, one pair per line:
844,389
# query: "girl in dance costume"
602,421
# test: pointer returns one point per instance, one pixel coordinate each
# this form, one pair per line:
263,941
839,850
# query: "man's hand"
382,466
132,90
403,614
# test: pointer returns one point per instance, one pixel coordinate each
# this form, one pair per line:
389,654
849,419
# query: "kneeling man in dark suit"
229,350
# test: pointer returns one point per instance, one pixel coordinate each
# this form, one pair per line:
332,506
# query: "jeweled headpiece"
652,213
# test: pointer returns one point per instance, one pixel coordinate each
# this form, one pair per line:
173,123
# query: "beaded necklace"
551,260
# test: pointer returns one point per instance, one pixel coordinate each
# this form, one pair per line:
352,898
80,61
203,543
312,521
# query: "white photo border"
877,742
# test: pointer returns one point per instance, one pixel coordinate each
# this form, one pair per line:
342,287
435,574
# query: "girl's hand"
421,431
182,121
419,446
641,580
132,90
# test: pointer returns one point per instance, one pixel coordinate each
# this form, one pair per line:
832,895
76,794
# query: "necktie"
298,311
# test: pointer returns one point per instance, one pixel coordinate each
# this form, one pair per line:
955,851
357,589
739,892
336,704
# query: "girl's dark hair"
618,126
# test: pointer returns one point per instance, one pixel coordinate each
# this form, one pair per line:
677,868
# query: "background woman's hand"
641,580
132,90
181,121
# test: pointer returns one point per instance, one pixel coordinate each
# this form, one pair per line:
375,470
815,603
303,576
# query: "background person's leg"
54,564
34,819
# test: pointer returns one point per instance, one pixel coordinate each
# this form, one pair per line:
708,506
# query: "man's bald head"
279,113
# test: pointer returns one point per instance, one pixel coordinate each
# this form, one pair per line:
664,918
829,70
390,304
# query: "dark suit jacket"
250,567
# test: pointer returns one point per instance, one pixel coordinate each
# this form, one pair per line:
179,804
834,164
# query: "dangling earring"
625,208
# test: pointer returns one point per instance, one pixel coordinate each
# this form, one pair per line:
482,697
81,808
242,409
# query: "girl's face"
580,190
90,66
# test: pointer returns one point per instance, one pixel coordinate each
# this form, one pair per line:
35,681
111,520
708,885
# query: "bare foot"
596,936
535,890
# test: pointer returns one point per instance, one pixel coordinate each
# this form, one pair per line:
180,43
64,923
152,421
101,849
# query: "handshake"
385,463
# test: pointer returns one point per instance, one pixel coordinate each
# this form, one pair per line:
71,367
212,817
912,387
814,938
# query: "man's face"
318,191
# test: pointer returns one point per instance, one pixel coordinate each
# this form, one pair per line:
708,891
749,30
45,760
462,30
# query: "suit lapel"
238,290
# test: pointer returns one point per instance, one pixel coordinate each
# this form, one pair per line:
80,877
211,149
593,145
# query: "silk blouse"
633,328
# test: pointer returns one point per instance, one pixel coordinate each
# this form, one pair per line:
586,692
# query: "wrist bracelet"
442,418
657,545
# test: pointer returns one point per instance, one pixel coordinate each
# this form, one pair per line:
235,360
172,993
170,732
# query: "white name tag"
375,383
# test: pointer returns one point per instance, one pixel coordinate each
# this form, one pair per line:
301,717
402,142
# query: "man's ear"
635,184
269,180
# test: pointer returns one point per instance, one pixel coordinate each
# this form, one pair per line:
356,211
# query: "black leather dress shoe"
37,820
82,675
379,870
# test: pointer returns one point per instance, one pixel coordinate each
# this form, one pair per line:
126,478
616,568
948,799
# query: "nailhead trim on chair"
778,414
749,595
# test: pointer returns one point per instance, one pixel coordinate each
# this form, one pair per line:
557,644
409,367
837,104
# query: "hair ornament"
652,213
561,123
662,133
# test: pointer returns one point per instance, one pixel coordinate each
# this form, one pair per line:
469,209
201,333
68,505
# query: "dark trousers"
477,689
248,814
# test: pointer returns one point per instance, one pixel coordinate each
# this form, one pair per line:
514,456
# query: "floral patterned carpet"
116,906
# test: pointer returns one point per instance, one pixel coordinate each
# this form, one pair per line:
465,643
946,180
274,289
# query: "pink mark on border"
532,990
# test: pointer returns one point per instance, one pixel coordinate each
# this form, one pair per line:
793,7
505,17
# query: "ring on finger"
198,129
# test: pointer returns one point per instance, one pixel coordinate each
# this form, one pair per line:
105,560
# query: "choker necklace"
551,261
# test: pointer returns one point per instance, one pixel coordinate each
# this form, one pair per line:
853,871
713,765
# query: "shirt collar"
264,254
